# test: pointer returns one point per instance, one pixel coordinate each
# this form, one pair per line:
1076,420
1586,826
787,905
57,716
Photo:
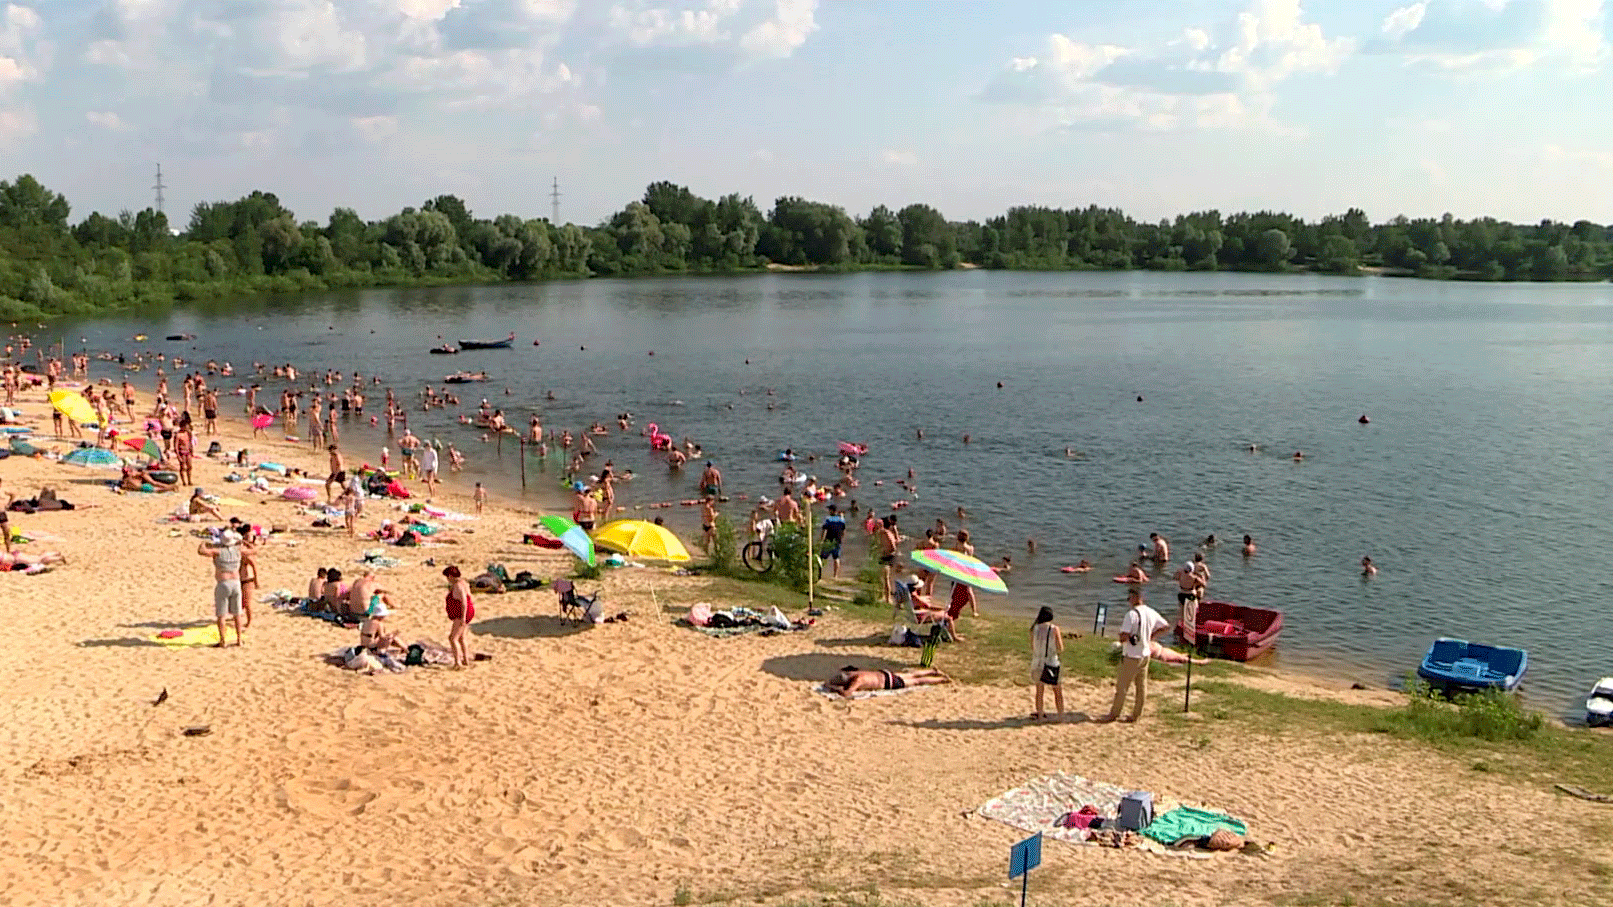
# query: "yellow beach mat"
188,638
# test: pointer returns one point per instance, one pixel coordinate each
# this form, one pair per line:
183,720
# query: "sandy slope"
619,763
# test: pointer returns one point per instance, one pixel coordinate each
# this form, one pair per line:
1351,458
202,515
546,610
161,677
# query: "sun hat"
377,608
229,537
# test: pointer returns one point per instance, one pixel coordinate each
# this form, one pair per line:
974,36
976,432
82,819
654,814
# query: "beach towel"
822,690
1188,822
1038,805
188,638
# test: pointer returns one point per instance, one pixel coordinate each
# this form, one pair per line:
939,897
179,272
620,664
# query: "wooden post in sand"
811,573
523,462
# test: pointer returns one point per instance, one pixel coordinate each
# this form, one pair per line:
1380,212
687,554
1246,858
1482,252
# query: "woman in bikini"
249,577
853,680
461,611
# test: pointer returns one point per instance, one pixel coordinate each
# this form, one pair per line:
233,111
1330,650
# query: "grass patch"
1525,746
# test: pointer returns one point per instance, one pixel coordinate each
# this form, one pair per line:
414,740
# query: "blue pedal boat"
1468,666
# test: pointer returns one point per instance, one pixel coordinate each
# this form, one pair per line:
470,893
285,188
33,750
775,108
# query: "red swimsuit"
467,613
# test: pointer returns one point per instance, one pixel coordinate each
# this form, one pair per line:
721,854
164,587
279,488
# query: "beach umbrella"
93,457
641,538
955,565
147,446
574,537
73,405
262,420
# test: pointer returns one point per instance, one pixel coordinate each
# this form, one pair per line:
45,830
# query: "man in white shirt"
1137,632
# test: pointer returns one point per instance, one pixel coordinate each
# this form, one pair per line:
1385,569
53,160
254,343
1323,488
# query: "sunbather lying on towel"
855,680
23,560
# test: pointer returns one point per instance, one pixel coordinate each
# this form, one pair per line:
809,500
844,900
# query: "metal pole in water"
523,463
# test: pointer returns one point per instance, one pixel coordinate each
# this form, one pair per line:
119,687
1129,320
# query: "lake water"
1480,486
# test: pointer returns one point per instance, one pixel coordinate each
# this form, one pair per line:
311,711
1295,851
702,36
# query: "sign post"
812,573
1025,856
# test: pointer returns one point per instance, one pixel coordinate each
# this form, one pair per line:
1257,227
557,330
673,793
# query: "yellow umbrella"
74,407
640,538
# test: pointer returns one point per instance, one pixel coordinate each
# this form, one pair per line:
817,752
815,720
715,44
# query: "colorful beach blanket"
1038,805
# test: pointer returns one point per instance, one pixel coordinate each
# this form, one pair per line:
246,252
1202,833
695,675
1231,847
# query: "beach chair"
574,606
902,611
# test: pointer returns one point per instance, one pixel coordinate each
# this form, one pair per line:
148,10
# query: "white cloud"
1205,78
897,157
755,29
374,129
105,119
1405,20
792,23
1579,158
1499,36
23,53
16,124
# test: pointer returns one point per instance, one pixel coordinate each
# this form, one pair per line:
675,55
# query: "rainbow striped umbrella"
955,565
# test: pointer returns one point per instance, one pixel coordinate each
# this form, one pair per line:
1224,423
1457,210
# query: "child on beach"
385,455
480,497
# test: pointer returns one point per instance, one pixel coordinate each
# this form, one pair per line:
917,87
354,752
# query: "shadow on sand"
124,642
823,666
543,625
999,724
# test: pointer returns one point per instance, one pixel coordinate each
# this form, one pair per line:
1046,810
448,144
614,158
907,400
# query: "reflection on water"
1478,487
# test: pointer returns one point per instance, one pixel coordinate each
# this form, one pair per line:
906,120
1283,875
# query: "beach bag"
416,656
1136,811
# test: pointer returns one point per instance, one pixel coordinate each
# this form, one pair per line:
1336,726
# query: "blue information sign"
1025,856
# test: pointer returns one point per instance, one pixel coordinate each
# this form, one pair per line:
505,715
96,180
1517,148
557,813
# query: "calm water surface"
1480,486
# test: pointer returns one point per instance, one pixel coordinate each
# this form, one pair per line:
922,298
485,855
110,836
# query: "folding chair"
572,605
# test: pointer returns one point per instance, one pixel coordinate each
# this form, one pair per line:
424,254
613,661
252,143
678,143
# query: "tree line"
50,265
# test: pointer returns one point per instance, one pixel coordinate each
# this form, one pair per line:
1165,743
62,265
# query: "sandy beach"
638,762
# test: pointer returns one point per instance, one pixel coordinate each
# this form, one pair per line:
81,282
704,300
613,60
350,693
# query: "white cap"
229,537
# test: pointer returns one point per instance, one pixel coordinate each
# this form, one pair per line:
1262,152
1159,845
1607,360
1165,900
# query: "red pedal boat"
1236,632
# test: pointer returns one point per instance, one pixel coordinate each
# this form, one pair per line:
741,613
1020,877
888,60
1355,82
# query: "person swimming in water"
1367,567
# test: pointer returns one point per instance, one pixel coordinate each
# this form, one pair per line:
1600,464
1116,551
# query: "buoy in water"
1363,420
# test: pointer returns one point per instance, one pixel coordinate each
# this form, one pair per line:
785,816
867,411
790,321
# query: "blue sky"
1156,106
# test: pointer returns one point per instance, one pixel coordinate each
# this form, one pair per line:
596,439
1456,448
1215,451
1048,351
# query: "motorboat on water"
1599,704
181,336
464,378
1461,666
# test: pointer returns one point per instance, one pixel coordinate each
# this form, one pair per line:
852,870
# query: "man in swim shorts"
852,680
834,532
711,480
226,555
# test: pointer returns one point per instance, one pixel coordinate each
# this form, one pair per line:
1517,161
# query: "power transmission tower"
159,187
554,202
